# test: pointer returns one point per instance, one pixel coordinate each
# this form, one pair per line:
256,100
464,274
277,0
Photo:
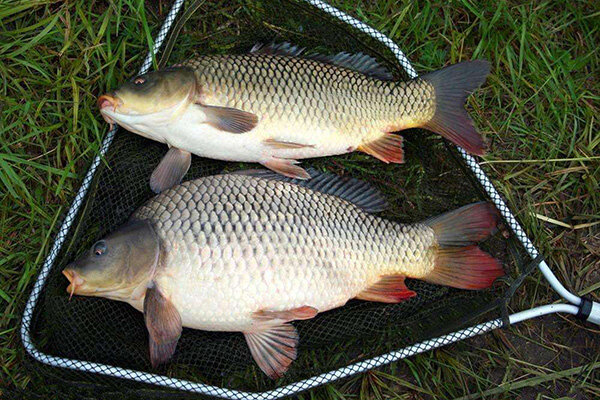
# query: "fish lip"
109,100
75,282
68,273
108,104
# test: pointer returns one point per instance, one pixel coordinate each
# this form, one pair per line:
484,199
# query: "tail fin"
459,262
452,86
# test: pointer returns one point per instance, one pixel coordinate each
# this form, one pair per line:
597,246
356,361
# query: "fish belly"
214,289
259,145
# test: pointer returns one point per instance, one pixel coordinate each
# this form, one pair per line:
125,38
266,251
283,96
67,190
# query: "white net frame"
591,312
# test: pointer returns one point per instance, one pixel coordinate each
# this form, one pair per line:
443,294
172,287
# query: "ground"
538,110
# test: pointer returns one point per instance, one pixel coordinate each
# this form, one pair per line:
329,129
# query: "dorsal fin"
359,62
355,191
284,49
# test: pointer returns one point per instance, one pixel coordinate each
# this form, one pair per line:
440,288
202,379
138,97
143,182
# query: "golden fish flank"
275,106
250,252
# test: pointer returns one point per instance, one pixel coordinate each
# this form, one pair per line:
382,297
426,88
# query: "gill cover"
116,265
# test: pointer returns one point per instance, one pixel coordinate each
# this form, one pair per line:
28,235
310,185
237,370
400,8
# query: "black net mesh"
432,181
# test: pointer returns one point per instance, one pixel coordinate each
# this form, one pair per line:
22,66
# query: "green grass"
539,110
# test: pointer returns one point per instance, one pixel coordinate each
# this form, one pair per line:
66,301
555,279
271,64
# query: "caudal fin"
452,86
458,261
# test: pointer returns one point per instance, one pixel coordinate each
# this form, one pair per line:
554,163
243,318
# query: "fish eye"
139,81
100,248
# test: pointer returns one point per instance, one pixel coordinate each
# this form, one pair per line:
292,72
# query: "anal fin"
387,148
286,167
389,289
170,170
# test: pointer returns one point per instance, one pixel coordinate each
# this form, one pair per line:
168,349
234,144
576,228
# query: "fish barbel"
250,252
275,106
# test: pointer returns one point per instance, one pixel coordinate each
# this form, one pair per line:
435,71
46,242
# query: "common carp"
276,106
249,252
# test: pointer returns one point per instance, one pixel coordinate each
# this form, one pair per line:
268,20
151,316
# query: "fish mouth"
108,103
75,281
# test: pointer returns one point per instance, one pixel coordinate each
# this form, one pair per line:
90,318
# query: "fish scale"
316,96
285,248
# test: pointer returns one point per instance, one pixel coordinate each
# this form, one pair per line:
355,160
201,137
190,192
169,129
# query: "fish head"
149,99
116,265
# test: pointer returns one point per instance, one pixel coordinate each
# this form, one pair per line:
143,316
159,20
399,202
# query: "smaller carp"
276,105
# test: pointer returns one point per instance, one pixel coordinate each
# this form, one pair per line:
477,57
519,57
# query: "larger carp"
275,106
252,252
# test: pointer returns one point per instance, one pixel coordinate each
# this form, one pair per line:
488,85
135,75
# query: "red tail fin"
452,86
465,267
467,225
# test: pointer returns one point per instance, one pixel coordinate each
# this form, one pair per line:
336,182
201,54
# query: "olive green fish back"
322,94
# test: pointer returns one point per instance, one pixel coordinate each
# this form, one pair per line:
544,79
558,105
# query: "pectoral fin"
286,167
170,170
228,119
389,289
273,349
164,325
